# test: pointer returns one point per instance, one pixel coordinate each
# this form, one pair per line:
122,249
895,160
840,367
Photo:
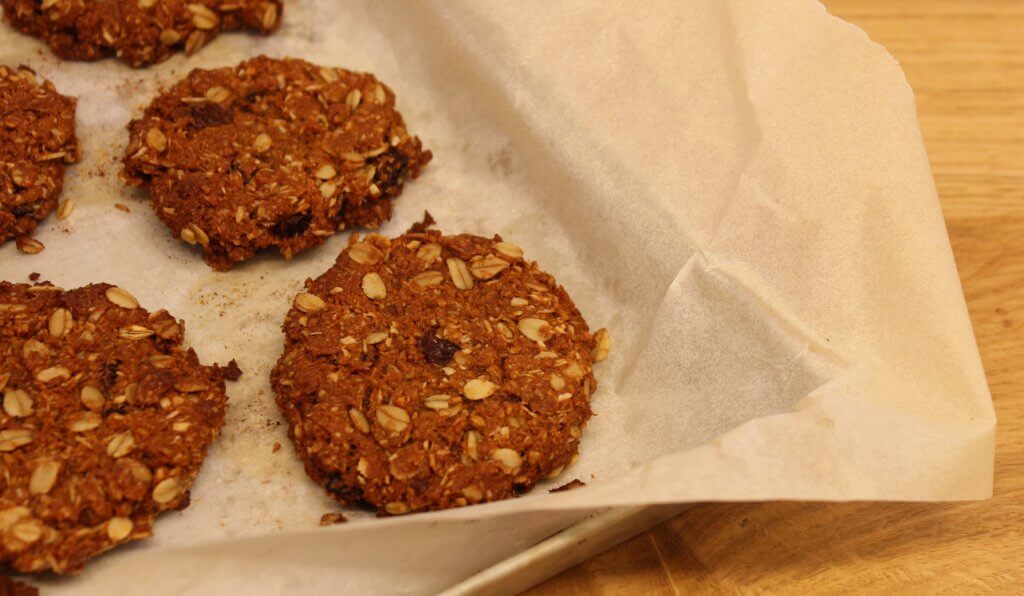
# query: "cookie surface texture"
106,419
37,140
271,153
429,371
139,32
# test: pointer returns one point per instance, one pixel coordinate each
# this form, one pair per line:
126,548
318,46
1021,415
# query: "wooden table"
965,61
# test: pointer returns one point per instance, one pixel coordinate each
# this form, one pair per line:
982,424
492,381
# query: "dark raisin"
185,502
207,114
254,96
337,486
24,209
391,172
437,350
292,225
108,374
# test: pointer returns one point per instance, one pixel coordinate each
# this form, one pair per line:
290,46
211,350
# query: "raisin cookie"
271,153
430,371
37,139
139,32
106,419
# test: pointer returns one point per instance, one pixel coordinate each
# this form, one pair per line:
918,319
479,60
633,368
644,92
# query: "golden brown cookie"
433,371
106,419
271,153
37,139
139,32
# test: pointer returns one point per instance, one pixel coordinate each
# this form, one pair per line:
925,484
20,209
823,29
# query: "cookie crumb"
276,447
421,226
329,519
231,372
29,246
122,207
33,276
574,483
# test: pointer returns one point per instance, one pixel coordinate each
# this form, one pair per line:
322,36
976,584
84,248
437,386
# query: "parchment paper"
737,190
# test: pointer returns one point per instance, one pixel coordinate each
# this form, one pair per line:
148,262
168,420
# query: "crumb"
123,207
33,276
329,519
421,226
575,483
276,447
231,372
29,246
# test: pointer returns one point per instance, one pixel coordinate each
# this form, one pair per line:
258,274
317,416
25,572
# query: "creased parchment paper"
737,190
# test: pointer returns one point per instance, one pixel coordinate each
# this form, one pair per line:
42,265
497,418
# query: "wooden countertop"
965,61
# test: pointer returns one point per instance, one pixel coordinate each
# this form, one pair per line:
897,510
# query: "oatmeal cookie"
139,32
271,153
37,139
106,419
430,371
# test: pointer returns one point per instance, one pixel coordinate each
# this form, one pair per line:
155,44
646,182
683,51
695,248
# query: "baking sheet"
737,190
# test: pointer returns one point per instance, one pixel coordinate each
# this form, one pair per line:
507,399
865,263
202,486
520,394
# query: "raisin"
292,225
208,114
108,375
437,350
390,172
24,209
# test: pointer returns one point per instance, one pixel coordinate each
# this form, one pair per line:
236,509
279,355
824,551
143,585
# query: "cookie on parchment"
37,139
271,153
430,371
106,419
139,32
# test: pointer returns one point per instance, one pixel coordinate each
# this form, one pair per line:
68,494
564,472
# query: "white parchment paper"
737,190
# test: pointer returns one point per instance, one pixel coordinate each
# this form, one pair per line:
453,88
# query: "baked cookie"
37,139
12,587
106,419
271,153
433,371
139,32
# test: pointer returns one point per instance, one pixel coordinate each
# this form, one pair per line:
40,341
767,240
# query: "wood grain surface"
965,61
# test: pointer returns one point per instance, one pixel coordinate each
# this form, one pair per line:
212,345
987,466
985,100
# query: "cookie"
13,587
37,139
430,371
139,32
106,419
271,153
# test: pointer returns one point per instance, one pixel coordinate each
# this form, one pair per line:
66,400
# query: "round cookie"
139,32
271,153
37,139
106,419
430,371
